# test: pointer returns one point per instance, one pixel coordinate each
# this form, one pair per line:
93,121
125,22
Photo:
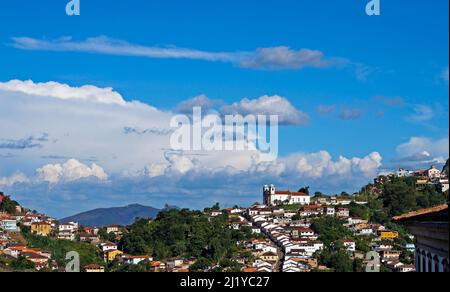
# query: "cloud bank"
129,142
420,152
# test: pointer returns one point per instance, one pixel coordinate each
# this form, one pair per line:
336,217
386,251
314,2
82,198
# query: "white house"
112,229
350,245
9,225
68,227
107,246
343,212
404,173
11,251
443,185
405,269
433,172
256,230
269,248
305,232
134,260
329,211
354,221
66,235
366,231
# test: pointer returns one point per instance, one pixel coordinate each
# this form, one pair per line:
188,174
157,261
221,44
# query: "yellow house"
269,257
94,268
422,181
386,234
41,228
111,255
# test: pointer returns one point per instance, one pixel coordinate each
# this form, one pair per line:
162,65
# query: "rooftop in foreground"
423,212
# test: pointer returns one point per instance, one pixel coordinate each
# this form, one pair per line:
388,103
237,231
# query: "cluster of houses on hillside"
424,177
283,236
289,230
40,258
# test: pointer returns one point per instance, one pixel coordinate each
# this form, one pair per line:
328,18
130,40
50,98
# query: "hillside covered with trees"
188,234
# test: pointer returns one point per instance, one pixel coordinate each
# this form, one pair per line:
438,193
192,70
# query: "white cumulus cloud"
321,165
269,105
64,91
72,170
16,178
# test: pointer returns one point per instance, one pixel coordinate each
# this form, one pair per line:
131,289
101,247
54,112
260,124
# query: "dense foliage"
89,254
330,229
401,196
10,264
187,234
340,261
445,170
8,205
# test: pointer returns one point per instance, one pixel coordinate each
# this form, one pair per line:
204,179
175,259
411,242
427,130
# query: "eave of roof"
423,212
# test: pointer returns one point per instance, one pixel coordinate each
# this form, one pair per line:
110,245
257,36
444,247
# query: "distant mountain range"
108,216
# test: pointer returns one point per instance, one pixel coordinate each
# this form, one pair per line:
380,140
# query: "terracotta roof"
294,194
93,266
269,254
421,212
136,257
312,207
32,255
41,223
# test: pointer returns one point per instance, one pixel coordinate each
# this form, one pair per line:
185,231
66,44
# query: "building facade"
430,228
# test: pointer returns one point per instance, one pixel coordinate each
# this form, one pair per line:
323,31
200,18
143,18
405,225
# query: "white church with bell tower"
272,197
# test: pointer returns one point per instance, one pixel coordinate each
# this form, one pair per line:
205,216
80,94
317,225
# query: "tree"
8,205
339,261
118,267
201,265
22,264
398,197
445,170
304,190
106,236
186,234
359,211
330,229
89,254
345,194
363,244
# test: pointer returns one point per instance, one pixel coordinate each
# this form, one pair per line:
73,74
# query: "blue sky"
387,93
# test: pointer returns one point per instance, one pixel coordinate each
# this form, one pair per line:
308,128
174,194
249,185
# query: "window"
430,263
445,265
436,264
419,262
424,263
